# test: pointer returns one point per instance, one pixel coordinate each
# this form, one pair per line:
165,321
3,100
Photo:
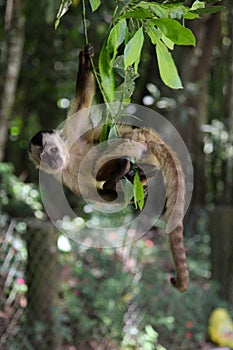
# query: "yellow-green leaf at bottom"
138,192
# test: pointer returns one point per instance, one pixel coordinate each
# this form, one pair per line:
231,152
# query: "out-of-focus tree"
11,57
206,126
219,157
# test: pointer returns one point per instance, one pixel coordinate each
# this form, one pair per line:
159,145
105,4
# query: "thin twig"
92,63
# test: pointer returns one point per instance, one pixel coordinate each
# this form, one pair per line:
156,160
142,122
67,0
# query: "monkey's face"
48,151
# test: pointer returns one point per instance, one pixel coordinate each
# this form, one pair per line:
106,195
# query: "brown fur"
145,146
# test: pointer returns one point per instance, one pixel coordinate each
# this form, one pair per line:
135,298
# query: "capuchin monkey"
61,152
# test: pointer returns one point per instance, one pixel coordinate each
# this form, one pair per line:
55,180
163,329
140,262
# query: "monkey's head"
48,151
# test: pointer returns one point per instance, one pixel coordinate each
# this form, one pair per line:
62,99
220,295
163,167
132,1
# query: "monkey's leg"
85,83
111,172
118,168
78,121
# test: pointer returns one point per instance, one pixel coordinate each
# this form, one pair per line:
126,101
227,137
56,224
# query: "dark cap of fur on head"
37,138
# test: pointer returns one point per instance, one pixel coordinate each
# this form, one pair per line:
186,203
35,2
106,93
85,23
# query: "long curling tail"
175,192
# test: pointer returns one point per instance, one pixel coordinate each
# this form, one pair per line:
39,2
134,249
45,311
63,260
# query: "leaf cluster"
17,198
163,22
164,25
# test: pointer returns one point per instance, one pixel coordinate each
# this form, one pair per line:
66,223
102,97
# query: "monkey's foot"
89,50
85,57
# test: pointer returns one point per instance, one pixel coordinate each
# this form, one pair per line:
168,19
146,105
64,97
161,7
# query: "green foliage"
116,37
64,7
94,4
106,73
167,67
103,297
105,132
128,190
138,192
133,48
174,31
180,319
149,17
145,312
17,198
164,24
146,340
96,295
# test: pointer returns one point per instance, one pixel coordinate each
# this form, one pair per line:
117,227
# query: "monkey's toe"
89,50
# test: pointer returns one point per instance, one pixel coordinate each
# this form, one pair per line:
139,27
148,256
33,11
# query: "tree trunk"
195,76
228,193
221,220
12,49
221,224
42,277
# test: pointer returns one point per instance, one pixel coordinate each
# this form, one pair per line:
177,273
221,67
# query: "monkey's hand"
85,57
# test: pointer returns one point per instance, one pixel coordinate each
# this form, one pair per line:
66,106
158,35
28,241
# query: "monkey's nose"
46,158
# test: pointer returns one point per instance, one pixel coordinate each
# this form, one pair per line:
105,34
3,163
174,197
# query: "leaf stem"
84,22
92,63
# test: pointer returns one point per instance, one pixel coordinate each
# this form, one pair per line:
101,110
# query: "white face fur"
52,155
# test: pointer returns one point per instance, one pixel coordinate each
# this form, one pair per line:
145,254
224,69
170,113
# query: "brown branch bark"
14,31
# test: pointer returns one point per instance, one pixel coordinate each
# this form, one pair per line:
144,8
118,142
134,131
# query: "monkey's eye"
54,150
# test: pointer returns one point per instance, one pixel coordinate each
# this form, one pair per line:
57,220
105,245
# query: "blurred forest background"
56,294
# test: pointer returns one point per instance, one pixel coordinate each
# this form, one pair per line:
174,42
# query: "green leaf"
191,15
177,10
151,332
159,10
127,188
154,34
64,7
113,133
138,192
210,9
133,48
198,5
118,66
124,91
106,73
168,42
104,132
116,37
167,67
94,4
174,31
138,14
